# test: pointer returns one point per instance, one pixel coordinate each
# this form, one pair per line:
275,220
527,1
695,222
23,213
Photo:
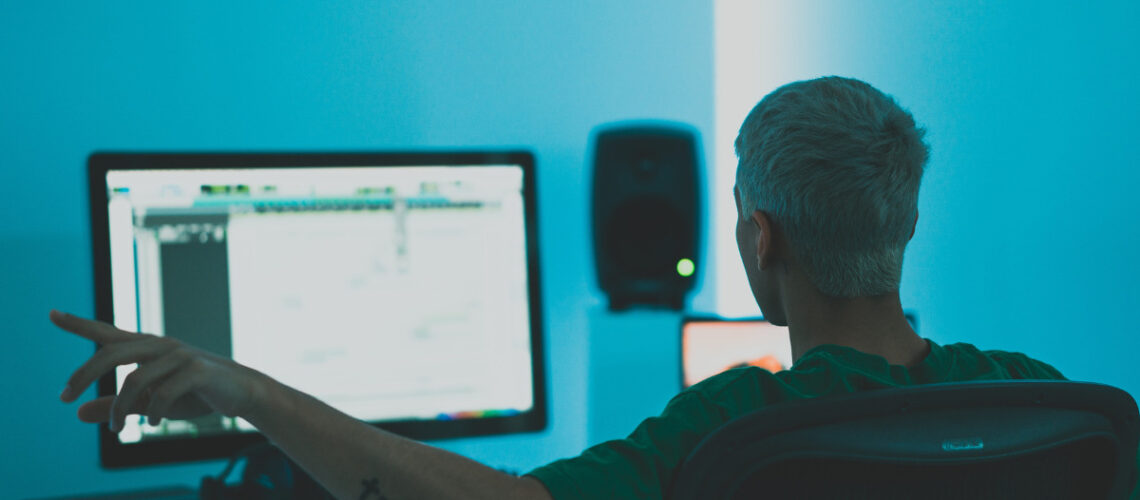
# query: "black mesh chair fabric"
1008,439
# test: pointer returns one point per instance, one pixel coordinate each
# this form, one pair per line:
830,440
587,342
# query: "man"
826,194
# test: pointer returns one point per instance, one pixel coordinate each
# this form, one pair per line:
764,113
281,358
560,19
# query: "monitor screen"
401,289
711,345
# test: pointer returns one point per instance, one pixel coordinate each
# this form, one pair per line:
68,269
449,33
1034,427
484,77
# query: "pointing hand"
173,380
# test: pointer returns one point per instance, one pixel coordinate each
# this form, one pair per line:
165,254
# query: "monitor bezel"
114,454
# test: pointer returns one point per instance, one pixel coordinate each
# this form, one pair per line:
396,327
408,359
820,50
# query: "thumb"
96,411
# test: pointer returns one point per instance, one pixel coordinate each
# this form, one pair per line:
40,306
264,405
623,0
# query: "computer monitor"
400,288
711,345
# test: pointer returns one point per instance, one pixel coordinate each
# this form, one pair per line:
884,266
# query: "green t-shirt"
642,465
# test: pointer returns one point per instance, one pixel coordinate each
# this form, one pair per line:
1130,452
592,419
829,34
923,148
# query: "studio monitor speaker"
646,214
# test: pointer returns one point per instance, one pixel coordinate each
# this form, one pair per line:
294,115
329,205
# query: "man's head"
833,167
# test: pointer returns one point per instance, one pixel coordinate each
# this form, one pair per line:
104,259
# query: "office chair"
1007,439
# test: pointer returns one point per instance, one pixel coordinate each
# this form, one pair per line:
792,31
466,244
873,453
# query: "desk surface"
161,493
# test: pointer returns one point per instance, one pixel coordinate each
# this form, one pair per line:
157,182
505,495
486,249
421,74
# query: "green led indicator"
685,267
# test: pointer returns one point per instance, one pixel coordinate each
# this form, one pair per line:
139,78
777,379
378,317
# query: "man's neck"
874,325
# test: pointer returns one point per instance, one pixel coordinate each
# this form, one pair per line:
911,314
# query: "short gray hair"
837,165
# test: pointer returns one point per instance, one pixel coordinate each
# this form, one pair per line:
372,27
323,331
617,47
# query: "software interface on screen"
391,293
709,347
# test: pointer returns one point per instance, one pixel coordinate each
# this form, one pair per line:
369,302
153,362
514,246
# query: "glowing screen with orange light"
711,346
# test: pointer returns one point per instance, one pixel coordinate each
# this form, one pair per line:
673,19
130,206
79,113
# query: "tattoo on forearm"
371,489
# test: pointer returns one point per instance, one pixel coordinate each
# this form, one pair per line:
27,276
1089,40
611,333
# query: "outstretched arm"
350,458
355,460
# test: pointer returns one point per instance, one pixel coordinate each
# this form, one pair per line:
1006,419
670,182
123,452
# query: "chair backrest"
1008,439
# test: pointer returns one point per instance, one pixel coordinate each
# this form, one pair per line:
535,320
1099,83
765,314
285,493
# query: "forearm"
349,457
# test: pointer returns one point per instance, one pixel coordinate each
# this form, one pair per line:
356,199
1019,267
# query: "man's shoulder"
1021,365
735,392
1013,364
728,380
825,370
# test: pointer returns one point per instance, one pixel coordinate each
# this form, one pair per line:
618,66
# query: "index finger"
98,331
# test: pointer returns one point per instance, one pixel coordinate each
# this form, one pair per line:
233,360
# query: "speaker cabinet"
646,214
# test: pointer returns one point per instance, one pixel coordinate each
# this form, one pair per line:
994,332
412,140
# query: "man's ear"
765,245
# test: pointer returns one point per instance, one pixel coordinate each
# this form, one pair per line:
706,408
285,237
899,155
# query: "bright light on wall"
757,50
738,86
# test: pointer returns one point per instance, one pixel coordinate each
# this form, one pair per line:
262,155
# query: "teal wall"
1026,239
81,76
